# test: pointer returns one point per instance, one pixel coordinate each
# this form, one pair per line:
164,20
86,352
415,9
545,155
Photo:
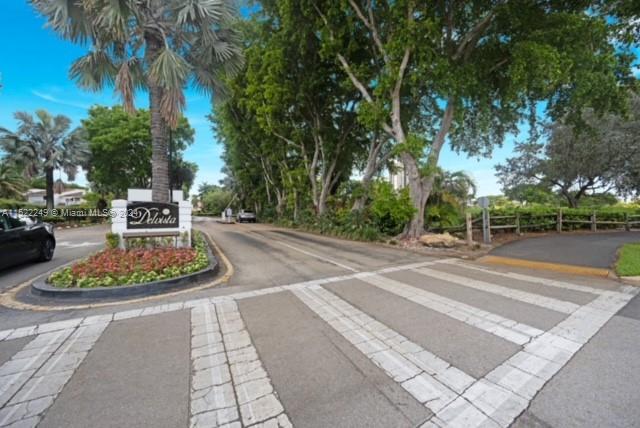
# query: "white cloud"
51,98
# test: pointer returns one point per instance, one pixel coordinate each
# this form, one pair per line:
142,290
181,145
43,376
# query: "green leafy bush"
113,240
14,204
443,216
390,209
341,223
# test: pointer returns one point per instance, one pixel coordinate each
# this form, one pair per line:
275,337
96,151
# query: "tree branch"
398,87
370,24
445,126
468,42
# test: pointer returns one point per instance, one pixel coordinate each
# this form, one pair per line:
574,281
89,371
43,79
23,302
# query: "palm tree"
44,145
12,183
455,187
158,45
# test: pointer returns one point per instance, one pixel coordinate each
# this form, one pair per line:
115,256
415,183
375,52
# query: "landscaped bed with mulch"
113,267
629,260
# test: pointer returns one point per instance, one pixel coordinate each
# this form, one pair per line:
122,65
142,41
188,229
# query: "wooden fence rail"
559,223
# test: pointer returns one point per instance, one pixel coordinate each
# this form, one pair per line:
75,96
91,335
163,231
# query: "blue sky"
34,64
35,75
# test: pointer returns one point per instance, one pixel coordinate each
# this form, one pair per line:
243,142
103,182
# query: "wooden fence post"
627,224
486,226
469,230
518,224
594,224
559,221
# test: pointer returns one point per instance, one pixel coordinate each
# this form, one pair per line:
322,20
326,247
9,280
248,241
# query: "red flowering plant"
113,267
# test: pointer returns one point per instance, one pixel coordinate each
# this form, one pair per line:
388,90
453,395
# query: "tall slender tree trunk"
420,187
295,205
374,163
367,178
159,131
419,195
281,199
49,187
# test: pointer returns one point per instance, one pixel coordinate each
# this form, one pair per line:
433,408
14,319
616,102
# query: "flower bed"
115,267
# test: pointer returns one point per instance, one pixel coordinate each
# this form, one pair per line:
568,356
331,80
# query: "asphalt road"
319,332
70,245
584,249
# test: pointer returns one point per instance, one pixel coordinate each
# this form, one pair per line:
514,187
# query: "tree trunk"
419,195
359,203
367,178
322,204
49,188
159,131
572,201
281,199
420,187
374,163
295,205
325,189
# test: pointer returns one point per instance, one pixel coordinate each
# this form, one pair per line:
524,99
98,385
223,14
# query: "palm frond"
113,17
172,105
169,70
12,183
198,12
66,17
124,86
94,70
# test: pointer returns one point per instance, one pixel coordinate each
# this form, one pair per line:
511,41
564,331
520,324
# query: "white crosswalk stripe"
497,325
529,278
229,384
429,379
506,391
49,362
511,293
15,372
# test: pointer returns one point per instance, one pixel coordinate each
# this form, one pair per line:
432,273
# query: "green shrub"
341,223
14,204
391,210
113,240
442,216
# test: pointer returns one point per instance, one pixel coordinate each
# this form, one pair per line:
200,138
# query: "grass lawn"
629,261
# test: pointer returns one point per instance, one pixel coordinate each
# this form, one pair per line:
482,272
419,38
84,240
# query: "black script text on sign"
152,215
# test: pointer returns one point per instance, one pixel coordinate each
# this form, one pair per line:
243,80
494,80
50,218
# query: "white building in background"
70,197
36,196
397,176
64,199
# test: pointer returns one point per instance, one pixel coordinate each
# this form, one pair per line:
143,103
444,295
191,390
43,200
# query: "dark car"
23,239
246,216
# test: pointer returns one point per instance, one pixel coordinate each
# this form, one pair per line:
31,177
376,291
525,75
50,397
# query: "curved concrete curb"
40,287
556,267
